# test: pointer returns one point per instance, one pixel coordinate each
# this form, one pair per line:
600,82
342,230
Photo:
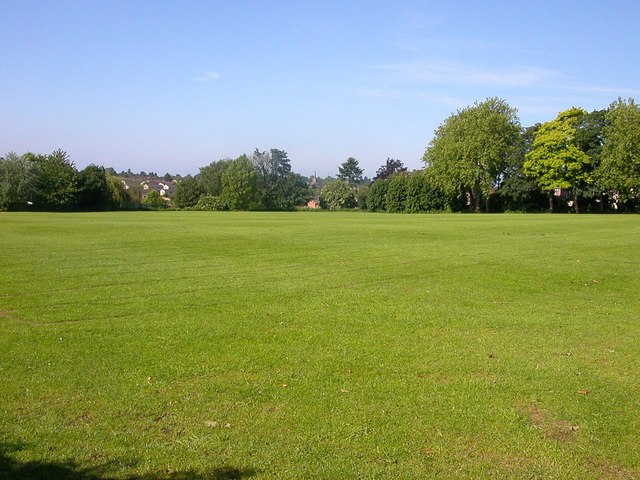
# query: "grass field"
176,345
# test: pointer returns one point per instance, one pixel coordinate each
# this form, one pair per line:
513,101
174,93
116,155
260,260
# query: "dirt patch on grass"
550,426
609,470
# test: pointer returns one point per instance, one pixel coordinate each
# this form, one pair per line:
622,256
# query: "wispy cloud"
452,73
208,77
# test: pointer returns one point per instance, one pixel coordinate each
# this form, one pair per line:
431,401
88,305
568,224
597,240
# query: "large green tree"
472,148
93,193
17,182
188,192
278,187
210,177
56,182
239,184
556,160
619,170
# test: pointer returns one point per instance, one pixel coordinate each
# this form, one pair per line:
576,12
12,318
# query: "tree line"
480,159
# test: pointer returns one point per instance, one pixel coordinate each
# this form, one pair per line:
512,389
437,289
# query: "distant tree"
518,192
278,187
117,196
210,177
362,197
350,171
397,193
239,184
472,148
619,170
154,200
337,194
17,182
93,193
377,199
210,203
555,160
56,182
390,167
188,192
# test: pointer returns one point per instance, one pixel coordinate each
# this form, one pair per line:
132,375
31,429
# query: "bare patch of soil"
550,426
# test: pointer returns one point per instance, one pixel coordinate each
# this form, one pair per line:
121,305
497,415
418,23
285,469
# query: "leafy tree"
117,196
210,177
390,167
56,182
93,193
350,171
619,170
278,187
239,184
337,194
590,139
555,160
397,193
17,182
518,192
377,198
472,148
154,200
188,192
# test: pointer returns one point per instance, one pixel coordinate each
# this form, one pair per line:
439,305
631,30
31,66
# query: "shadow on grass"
10,469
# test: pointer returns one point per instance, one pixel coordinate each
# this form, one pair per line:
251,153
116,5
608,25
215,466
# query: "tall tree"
619,170
188,192
555,160
56,181
472,148
210,177
390,167
239,184
350,171
93,193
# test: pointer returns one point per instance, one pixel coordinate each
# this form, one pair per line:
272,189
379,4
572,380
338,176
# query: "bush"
210,203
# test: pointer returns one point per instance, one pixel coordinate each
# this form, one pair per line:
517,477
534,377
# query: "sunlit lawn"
179,345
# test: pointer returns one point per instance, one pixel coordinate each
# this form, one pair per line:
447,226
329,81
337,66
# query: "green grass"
298,345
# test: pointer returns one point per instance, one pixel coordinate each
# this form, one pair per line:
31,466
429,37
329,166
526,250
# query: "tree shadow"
11,469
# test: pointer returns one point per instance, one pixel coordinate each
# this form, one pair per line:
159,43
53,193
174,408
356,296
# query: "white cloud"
208,77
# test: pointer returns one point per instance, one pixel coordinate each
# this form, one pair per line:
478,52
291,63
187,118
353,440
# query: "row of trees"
263,181
482,154
479,159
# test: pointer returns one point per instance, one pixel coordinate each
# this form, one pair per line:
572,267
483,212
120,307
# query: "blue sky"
170,86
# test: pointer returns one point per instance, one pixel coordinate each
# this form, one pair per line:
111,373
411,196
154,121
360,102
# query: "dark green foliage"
210,177
377,198
350,171
188,192
93,193
239,184
56,181
397,193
